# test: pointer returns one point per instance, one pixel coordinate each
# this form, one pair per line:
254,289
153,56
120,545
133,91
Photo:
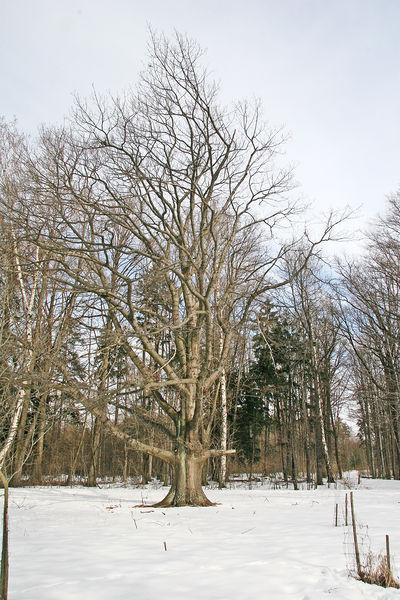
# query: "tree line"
156,318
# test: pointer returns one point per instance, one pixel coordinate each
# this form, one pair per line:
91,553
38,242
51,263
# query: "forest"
162,316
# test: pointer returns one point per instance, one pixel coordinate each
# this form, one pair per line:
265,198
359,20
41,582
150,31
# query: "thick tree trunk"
186,489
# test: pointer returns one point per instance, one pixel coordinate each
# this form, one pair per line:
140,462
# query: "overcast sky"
327,70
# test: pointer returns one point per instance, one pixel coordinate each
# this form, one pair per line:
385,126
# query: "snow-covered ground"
97,544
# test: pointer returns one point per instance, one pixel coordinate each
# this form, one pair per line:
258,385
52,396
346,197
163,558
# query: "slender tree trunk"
74,458
27,363
306,428
37,474
293,464
318,454
19,457
380,455
149,474
224,430
25,449
336,442
224,414
15,424
396,440
125,467
95,454
282,442
320,416
368,434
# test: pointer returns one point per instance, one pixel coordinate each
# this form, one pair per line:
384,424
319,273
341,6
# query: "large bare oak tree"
162,211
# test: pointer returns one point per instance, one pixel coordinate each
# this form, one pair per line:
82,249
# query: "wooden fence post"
4,550
388,554
356,549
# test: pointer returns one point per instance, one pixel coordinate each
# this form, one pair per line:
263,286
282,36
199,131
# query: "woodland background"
154,306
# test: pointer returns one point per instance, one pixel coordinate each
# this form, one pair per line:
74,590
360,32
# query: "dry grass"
376,571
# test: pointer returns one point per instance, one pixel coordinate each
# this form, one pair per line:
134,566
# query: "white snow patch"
97,544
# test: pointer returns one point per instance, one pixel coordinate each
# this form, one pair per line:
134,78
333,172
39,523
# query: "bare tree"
164,214
370,320
313,310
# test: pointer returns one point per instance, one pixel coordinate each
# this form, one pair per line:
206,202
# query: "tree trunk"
19,457
368,436
320,417
292,456
318,454
186,488
149,474
37,474
95,453
336,441
14,427
306,426
16,479
125,467
224,431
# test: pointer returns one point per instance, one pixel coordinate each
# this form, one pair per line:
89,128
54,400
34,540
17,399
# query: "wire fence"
362,562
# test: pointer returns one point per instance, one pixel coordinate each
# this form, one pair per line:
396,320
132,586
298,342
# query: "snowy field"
97,544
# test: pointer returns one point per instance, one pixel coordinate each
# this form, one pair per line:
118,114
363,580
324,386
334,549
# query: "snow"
97,543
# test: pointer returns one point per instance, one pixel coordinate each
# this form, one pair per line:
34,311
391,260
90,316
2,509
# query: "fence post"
4,550
388,554
356,549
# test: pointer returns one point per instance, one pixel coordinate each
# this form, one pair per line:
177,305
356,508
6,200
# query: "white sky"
328,70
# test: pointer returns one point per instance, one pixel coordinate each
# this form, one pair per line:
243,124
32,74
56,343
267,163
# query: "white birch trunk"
224,421
27,360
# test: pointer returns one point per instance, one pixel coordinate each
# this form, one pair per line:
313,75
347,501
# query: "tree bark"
37,474
224,430
186,489
320,413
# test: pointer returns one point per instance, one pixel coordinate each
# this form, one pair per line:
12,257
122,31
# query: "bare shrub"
377,571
